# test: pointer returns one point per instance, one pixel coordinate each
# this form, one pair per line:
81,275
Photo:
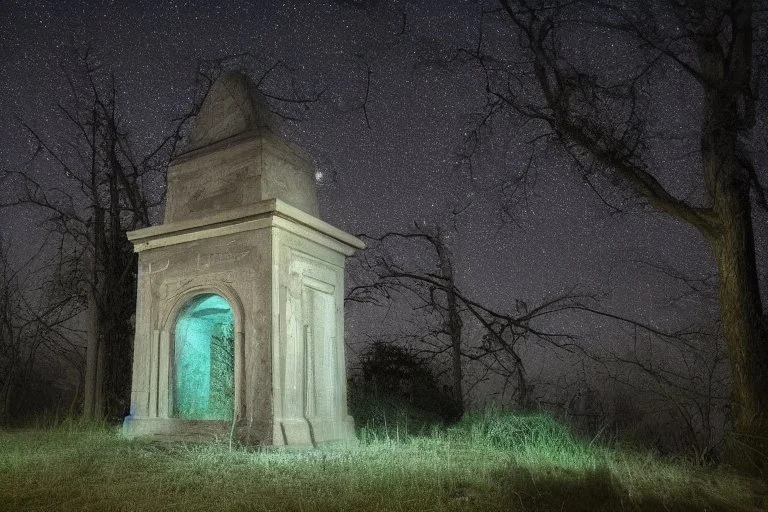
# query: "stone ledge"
257,216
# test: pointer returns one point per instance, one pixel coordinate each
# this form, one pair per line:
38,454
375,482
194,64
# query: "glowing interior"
204,357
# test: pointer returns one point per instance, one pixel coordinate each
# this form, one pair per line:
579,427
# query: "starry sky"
398,166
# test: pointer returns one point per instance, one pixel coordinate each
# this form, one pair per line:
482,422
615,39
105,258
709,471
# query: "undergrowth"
490,461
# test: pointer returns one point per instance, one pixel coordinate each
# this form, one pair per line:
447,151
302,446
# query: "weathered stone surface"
241,223
234,159
232,106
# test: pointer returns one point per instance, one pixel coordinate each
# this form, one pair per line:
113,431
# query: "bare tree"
434,286
685,378
105,190
440,300
685,373
35,329
600,114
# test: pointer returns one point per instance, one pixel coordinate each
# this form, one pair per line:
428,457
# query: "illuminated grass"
491,462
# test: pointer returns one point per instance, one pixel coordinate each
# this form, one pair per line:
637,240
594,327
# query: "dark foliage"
397,387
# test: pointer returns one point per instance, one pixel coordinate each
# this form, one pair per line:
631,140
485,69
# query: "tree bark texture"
743,328
727,168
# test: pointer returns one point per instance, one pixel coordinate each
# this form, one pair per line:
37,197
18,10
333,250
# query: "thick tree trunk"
743,327
728,95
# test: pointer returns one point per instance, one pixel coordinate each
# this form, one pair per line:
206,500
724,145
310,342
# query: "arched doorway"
204,359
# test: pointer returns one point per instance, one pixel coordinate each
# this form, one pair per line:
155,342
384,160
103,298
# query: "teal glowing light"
204,357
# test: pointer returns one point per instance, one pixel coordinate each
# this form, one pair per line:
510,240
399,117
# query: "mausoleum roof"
232,106
235,158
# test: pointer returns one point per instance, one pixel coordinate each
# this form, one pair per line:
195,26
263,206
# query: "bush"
397,393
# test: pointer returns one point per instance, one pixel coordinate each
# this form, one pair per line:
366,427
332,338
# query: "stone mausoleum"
240,311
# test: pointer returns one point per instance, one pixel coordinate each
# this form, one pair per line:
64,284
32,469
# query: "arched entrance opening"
204,360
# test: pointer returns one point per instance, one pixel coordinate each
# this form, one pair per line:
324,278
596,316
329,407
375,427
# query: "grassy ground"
494,462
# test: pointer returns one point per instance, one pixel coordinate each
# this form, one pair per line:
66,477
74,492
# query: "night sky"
404,168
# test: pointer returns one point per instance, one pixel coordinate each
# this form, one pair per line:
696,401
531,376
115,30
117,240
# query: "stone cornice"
271,212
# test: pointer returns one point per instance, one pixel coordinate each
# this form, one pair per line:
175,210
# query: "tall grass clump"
391,418
531,438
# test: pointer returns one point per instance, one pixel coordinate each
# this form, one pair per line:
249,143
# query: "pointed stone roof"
235,158
232,106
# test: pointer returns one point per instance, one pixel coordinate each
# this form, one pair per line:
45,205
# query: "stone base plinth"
176,429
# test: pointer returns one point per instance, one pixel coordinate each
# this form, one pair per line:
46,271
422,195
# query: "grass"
488,462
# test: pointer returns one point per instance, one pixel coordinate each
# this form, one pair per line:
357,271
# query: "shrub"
397,393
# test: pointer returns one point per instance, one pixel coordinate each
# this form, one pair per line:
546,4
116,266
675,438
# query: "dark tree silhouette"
602,119
441,300
437,293
104,190
35,330
392,375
